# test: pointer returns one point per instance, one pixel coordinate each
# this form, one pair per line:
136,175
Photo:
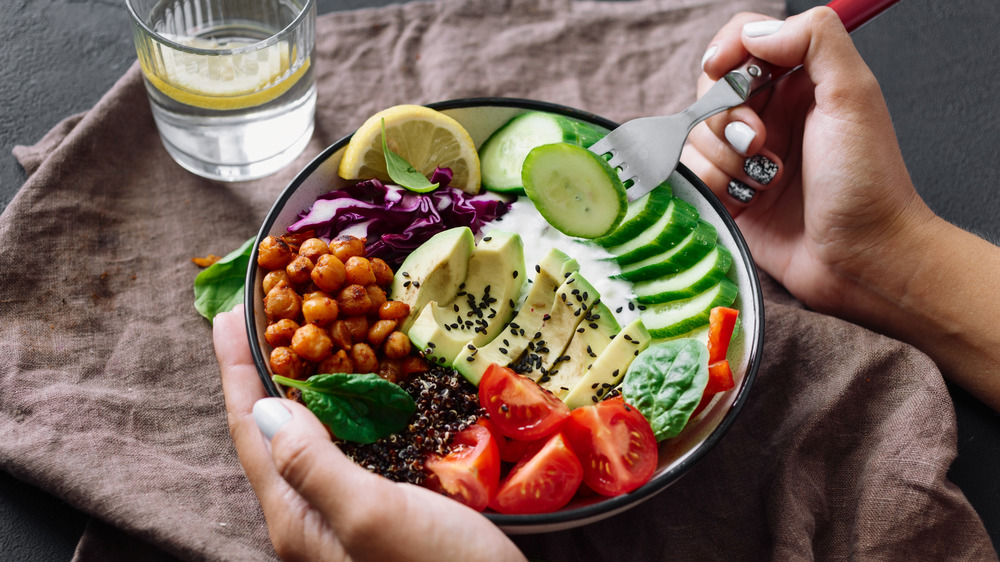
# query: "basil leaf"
356,407
665,382
402,172
219,287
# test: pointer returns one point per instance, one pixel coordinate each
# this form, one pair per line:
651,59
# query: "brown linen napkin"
110,394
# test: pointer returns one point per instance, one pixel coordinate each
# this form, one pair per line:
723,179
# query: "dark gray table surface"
936,62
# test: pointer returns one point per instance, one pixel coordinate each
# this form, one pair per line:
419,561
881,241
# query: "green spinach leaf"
356,407
402,172
219,287
665,382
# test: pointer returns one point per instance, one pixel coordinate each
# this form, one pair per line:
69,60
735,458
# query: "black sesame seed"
487,238
406,283
537,269
619,309
515,273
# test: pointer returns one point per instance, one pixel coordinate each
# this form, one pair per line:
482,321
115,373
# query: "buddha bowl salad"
498,324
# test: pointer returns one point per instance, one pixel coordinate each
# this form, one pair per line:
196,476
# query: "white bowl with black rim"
481,117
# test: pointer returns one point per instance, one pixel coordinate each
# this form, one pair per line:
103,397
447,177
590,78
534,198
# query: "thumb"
818,41
308,460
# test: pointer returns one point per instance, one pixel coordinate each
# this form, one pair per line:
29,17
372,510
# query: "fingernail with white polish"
740,135
270,415
709,54
762,28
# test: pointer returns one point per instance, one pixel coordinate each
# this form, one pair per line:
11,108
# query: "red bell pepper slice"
721,323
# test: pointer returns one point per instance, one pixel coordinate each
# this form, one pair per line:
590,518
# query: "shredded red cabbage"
398,220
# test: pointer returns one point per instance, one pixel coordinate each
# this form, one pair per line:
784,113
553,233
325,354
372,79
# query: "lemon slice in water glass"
424,137
230,81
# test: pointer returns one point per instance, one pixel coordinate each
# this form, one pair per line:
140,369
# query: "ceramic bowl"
676,456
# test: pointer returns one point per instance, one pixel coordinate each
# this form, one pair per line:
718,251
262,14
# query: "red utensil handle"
755,75
854,13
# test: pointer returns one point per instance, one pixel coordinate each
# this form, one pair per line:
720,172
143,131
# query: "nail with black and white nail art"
760,169
740,191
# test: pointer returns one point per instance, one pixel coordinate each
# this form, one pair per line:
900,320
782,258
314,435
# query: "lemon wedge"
230,81
424,137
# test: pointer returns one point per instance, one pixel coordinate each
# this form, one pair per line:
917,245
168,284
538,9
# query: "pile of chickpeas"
328,312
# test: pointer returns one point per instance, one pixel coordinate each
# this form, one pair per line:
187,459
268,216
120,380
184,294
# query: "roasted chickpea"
280,333
359,271
364,359
312,343
382,271
295,239
275,278
337,363
412,364
313,248
389,370
345,246
299,270
358,326
273,253
353,300
329,273
287,363
379,331
393,310
282,302
341,335
319,309
377,295
397,345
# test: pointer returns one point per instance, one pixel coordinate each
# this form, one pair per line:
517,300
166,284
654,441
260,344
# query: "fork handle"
755,75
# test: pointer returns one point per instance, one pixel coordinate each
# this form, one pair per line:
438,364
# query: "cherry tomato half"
615,444
511,450
518,407
541,483
470,473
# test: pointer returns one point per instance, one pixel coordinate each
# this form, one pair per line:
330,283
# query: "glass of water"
230,82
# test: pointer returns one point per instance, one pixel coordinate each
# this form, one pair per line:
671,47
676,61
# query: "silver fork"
646,150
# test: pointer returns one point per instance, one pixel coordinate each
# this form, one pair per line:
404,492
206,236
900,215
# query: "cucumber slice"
688,283
677,222
680,317
641,213
576,191
503,153
686,253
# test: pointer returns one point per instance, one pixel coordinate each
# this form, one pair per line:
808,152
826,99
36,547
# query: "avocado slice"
574,299
433,271
483,305
609,368
592,336
506,346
